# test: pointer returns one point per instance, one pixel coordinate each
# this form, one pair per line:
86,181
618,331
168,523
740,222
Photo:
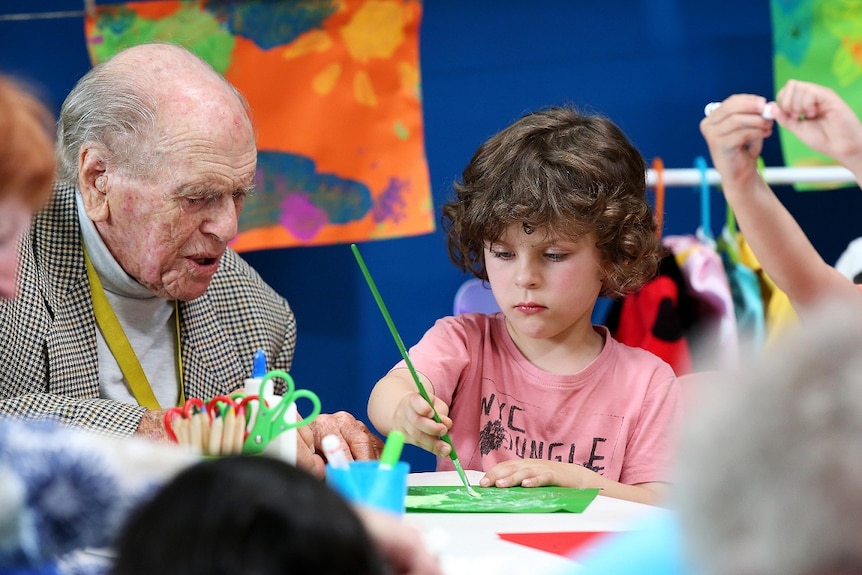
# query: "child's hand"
415,418
536,473
734,133
821,119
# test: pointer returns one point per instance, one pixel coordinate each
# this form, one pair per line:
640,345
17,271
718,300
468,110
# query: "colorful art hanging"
334,86
817,41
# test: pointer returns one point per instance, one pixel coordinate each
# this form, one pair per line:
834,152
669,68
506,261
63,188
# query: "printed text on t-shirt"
503,430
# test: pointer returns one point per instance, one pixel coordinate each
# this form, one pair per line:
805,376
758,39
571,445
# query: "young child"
552,212
735,132
26,171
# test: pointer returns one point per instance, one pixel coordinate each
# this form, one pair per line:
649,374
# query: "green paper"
455,499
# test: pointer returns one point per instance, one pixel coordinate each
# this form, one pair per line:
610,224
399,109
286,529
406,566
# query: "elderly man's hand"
359,441
354,434
152,426
306,458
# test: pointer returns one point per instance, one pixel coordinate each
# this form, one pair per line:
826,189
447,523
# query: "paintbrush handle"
398,342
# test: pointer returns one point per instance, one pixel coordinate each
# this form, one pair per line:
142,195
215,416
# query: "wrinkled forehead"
212,103
195,124
180,83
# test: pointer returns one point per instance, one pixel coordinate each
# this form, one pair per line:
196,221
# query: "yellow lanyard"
120,347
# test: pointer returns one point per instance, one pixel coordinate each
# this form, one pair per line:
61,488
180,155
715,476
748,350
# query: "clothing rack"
792,175
89,8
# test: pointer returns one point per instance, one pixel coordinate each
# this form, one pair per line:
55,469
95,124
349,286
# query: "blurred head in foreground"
246,514
770,462
26,171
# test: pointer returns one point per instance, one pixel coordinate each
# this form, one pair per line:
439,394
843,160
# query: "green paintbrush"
452,455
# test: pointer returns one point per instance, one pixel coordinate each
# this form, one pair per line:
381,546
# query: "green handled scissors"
270,419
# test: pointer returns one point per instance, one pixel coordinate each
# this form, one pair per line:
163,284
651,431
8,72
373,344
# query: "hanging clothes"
657,316
778,312
745,289
714,336
747,297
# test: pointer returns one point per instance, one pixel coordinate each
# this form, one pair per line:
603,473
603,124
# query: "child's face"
15,217
545,286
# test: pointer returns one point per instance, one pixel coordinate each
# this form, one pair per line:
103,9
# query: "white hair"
116,104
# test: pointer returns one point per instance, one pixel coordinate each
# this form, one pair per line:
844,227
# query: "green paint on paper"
455,499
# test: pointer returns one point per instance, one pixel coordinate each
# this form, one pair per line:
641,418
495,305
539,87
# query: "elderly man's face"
170,230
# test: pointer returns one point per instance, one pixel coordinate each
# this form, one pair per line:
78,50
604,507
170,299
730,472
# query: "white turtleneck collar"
147,321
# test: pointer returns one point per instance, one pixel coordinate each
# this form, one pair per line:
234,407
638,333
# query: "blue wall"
651,65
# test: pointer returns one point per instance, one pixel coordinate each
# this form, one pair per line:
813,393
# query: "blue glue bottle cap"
259,365
258,372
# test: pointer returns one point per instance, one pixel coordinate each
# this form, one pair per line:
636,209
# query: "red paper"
565,543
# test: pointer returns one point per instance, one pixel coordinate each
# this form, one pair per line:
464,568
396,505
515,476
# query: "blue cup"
369,483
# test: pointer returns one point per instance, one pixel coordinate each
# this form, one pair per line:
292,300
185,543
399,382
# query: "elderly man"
129,298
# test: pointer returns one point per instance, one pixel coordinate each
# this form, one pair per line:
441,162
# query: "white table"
468,544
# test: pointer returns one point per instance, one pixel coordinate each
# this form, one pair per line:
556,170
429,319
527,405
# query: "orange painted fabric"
335,91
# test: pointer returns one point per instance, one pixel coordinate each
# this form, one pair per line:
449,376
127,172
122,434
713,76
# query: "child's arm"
821,120
395,403
734,133
539,472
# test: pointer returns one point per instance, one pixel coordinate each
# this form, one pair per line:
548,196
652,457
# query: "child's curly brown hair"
565,173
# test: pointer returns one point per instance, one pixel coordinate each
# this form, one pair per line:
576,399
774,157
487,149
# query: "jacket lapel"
210,365
73,365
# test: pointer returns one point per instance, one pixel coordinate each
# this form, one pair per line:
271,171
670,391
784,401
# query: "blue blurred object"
474,295
652,547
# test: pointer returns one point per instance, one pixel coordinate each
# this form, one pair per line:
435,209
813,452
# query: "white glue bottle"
284,444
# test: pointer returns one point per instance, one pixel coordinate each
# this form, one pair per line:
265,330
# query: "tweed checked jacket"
49,367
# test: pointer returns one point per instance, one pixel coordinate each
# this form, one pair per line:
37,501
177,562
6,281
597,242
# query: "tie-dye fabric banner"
334,86
817,41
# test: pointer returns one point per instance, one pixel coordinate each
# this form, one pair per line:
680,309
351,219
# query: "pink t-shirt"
615,417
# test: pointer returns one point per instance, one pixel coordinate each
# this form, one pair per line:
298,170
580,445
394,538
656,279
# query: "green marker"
392,450
389,483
